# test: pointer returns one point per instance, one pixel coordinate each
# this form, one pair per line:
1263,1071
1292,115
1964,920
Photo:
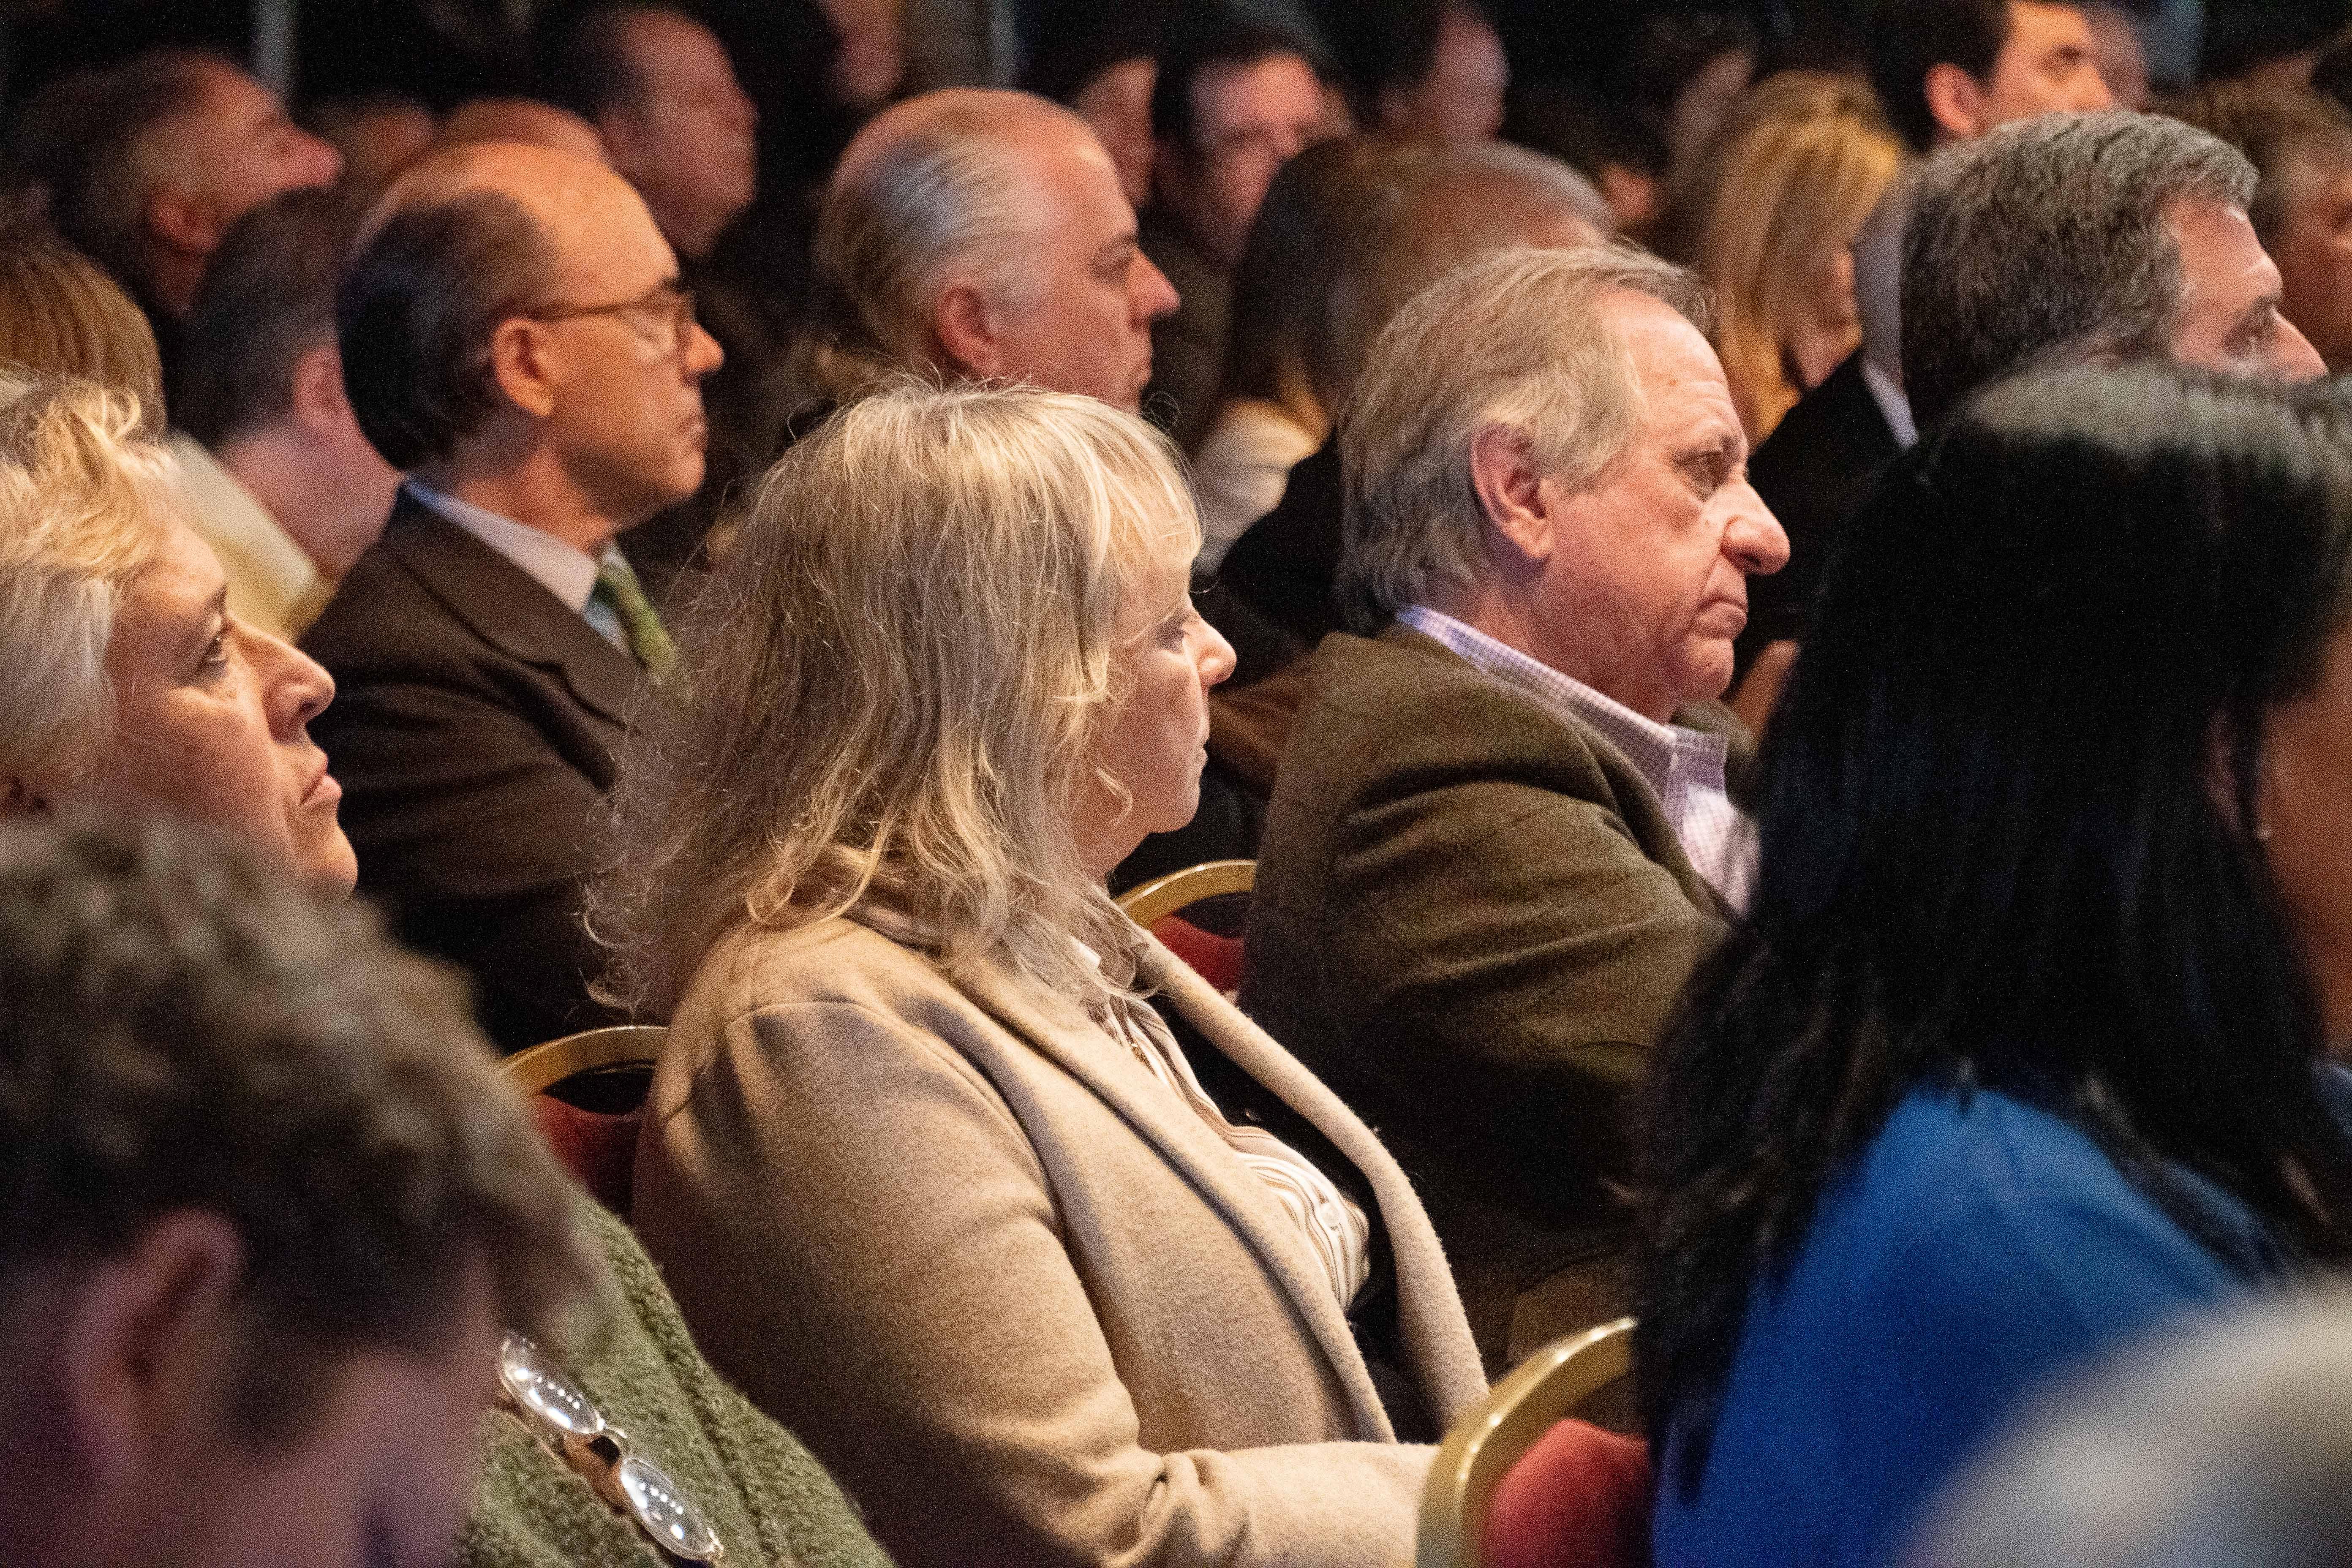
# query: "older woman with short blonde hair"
932,1182
1768,218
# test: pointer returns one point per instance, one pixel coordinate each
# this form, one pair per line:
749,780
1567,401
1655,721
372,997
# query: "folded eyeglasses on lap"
563,1417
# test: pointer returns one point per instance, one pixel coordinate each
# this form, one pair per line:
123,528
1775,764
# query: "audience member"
1106,74
2110,236
153,159
274,473
1233,103
268,1210
1424,68
2098,236
1950,70
375,134
2225,1446
980,233
1075,1306
1283,365
107,599
663,97
1502,834
60,315
523,120
1945,71
1768,219
2020,1050
514,337
2301,146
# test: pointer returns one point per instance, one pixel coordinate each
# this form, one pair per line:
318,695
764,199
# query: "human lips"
324,789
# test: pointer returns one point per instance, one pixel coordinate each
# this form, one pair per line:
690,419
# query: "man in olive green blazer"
1502,835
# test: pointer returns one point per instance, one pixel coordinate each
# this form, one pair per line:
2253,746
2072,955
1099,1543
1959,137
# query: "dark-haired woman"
2020,1052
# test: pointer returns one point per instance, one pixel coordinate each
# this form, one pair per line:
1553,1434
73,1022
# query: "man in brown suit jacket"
1502,835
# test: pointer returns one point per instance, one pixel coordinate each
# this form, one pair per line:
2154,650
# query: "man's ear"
1510,489
184,221
623,141
1956,99
966,326
321,405
142,1347
519,360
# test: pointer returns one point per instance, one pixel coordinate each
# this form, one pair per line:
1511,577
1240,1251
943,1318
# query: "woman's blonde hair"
83,492
896,676
59,315
1788,179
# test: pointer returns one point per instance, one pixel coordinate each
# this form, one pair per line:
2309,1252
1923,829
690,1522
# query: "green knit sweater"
771,1501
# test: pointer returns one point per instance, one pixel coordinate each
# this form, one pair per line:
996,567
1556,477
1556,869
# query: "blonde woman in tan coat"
929,1178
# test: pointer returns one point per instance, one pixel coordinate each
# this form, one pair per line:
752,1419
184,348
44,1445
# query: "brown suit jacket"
1471,920
1021,1300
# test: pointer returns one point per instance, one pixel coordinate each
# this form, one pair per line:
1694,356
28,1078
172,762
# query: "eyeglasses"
567,1420
669,305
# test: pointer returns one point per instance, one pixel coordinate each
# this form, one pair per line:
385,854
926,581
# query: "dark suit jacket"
1271,596
1813,471
1471,920
474,730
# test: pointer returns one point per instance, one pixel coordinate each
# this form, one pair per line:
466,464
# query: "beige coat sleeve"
865,1239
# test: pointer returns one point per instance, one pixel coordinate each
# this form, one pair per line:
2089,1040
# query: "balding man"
514,337
1502,834
980,233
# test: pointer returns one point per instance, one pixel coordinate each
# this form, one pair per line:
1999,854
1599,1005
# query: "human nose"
1152,295
296,688
319,158
2292,358
1216,656
1754,539
2093,92
703,354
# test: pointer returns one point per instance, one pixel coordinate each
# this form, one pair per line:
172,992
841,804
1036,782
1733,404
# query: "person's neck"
532,488
309,494
1506,613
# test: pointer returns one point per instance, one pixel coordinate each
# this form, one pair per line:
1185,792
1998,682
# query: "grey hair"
898,672
940,186
1518,340
83,492
2047,240
2224,1444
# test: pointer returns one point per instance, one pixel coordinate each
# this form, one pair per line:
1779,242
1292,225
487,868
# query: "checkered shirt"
1685,766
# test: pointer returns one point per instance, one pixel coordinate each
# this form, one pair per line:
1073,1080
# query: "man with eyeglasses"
515,338
1234,103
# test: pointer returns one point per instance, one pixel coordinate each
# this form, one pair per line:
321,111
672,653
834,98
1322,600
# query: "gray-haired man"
1501,836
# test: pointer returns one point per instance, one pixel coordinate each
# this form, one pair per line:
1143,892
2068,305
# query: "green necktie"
618,587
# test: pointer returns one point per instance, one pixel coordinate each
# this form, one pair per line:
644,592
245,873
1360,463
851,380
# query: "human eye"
215,662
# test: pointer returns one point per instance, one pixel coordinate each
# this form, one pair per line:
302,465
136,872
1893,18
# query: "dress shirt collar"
564,570
1893,403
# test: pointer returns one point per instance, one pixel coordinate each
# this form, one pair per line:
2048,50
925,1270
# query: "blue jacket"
1978,1247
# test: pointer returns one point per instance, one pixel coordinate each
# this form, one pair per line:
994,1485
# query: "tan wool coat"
1021,1300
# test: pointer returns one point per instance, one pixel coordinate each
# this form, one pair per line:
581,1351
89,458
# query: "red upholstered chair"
1521,1484
1153,905
587,1092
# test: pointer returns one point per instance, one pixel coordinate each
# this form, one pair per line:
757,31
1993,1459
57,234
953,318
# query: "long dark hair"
2008,828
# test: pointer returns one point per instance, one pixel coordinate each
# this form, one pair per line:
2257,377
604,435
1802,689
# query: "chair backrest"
1149,902
1515,1417
541,1067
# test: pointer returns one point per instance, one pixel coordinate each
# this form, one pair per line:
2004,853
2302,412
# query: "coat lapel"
1436,1331
1073,1041
509,609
